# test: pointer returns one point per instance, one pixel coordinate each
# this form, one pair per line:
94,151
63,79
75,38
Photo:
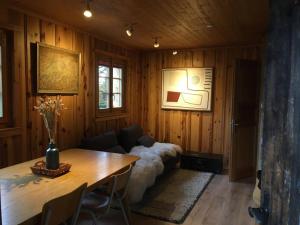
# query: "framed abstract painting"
187,89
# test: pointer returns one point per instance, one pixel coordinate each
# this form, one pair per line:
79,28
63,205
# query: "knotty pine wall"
208,132
197,131
28,138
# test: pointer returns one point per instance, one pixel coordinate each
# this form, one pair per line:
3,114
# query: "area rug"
174,195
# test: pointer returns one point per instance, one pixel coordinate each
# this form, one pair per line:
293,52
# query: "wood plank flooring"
222,203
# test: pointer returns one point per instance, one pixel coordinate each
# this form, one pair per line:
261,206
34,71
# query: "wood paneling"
12,139
79,119
10,154
175,21
133,81
197,131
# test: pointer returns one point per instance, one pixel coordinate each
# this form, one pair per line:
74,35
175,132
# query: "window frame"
5,120
112,61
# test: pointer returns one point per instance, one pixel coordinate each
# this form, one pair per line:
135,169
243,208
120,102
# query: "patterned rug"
174,195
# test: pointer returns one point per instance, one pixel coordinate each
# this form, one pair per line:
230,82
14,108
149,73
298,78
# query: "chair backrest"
119,184
63,208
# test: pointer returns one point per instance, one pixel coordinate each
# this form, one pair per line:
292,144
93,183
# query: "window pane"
117,100
117,86
103,100
103,84
1,97
117,72
103,73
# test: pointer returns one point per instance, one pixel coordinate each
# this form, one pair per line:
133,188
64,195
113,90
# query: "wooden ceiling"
178,23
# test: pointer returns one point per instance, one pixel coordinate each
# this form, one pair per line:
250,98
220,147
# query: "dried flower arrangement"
50,109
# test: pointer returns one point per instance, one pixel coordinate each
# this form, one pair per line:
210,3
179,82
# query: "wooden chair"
64,209
99,202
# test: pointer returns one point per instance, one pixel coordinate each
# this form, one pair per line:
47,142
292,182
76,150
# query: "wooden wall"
133,86
28,138
197,131
13,140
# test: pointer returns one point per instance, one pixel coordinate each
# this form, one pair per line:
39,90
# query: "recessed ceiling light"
156,43
175,52
87,12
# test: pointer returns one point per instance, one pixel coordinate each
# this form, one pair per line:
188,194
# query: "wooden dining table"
23,193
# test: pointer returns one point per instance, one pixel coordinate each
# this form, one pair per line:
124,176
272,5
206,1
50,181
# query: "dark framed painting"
187,89
57,70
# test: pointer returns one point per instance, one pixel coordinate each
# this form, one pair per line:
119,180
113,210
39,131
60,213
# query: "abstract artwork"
57,70
187,89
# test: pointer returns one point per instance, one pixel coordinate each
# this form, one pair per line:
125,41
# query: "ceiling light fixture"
175,52
87,12
156,43
129,31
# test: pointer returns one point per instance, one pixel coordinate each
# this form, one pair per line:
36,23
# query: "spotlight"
129,31
156,44
175,52
87,12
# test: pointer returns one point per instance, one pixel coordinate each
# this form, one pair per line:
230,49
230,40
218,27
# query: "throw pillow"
146,141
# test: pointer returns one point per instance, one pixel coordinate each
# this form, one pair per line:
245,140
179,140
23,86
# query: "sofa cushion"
100,142
128,136
146,141
116,149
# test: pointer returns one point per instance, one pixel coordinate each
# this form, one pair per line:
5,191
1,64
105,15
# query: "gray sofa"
123,142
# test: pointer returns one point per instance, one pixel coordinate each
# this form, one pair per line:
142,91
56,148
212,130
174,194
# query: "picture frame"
57,70
187,88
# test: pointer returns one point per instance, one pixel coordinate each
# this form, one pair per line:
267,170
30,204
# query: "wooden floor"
222,203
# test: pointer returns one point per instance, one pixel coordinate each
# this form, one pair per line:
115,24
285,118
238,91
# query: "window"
110,80
1,77
5,63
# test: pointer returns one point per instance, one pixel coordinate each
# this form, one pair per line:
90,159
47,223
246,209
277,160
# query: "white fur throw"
148,167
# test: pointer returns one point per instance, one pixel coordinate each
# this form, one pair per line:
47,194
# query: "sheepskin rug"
148,167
